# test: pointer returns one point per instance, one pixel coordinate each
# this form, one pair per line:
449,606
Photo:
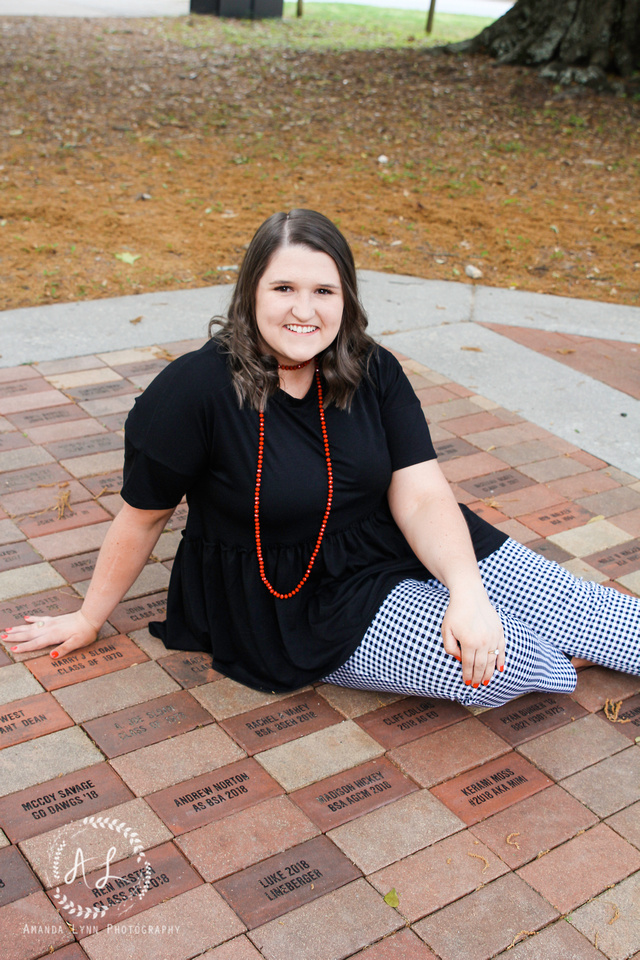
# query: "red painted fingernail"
501,669
475,686
459,659
54,654
467,683
13,649
485,683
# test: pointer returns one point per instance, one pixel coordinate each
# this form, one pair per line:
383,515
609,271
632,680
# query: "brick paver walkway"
326,824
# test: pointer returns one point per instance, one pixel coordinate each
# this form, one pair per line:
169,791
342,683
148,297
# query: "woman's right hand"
66,633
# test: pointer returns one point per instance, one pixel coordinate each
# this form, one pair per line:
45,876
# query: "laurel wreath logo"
99,823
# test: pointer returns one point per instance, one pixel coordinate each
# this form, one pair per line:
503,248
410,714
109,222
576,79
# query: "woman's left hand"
472,632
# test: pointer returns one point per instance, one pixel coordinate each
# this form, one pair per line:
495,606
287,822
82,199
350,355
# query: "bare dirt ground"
141,155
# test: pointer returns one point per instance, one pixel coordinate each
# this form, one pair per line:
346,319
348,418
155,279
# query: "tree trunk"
575,39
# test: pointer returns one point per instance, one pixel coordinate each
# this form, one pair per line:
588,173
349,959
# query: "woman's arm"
426,512
126,548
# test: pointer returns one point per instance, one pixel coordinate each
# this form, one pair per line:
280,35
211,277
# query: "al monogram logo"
136,884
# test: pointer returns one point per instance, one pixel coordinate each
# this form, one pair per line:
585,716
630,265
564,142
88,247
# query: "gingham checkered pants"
547,614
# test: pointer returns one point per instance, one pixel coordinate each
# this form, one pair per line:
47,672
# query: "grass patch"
327,26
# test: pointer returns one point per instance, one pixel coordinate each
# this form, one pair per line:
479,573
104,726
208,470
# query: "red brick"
33,927
531,500
46,807
449,752
497,485
529,828
288,880
528,717
50,521
229,845
474,423
628,521
96,660
353,793
475,465
409,719
487,921
14,555
13,481
431,878
212,796
490,788
275,724
30,718
597,685
148,879
145,723
584,484
404,945
16,878
75,569
562,516
190,669
581,868
134,614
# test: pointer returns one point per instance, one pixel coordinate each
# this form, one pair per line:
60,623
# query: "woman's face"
299,304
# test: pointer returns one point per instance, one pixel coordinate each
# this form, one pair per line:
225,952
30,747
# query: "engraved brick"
94,463
497,484
75,569
617,561
191,923
15,555
81,447
575,746
528,717
16,878
40,418
213,796
146,723
190,669
25,386
299,875
450,449
490,788
17,480
628,718
353,703
100,391
65,430
31,718
143,881
33,927
409,719
99,658
50,521
39,760
32,401
137,613
53,854
42,498
351,794
69,379
563,516
162,764
263,728
104,483
47,806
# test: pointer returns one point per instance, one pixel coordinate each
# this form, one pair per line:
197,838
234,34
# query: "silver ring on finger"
40,624
496,651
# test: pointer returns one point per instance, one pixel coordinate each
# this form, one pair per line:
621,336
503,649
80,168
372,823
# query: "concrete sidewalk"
330,823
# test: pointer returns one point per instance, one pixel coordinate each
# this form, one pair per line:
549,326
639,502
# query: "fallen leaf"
473,349
135,320
127,257
564,350
593,519
392,899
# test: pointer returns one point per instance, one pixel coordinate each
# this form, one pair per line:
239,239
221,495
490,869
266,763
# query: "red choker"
256,510
295,366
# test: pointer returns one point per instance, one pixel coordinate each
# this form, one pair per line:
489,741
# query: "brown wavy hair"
343,363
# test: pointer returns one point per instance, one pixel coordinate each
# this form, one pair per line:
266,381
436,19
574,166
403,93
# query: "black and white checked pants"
547,614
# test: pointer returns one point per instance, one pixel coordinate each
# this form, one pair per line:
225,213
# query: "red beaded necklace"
295,366
256,509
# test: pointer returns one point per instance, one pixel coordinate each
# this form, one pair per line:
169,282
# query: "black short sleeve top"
187,435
